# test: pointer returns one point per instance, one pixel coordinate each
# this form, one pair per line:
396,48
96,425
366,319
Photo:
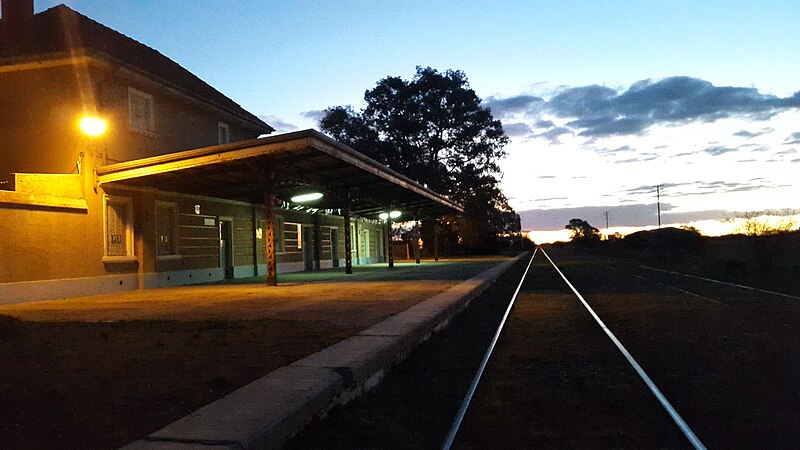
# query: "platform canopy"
297,163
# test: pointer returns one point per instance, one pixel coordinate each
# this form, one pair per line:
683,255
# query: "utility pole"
658,203
606,213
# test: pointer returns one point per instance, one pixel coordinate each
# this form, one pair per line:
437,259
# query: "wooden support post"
416,240
435,239
348,254
316,238
389,244
269,229
256,226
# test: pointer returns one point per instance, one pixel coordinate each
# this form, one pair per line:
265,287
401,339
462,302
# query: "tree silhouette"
433,129
582,231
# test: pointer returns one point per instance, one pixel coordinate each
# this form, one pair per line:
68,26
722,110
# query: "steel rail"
462,410
725,283
684,427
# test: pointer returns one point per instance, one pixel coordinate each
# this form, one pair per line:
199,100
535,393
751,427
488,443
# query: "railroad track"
752,340
592,354
676,417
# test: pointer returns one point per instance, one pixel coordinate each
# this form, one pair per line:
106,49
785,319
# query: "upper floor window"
224,132
141,111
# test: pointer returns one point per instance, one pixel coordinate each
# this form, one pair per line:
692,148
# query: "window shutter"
117,229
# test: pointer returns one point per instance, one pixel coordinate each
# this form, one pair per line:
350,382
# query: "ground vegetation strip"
102,371
725,358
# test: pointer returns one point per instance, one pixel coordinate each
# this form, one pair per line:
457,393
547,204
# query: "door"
308,247
226,247
334,247
366,247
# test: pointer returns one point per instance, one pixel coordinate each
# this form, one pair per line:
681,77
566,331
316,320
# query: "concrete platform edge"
269,411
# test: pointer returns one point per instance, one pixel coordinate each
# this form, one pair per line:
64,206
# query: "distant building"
178,188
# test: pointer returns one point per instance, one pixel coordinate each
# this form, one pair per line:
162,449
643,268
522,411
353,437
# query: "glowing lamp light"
93,126
307,197
394,214
383,216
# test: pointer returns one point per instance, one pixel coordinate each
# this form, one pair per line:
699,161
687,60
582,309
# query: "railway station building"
120,170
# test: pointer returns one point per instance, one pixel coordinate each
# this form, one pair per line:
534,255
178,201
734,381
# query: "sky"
602,101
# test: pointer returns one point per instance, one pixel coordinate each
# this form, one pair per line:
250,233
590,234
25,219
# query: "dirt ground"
101,371
727,361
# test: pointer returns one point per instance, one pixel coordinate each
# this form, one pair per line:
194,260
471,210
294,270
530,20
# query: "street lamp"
93,126
385,216
393,214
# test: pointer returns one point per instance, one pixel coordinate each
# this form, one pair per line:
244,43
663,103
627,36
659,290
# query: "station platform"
383,313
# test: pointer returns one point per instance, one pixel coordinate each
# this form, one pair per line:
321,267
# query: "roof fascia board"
169,163
57,60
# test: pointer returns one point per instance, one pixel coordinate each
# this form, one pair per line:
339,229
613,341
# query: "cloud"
506,107
546,176
786,152
602,111
694,188
544,124
624,148
632,215
708,187
278,123
719,150
315,114
751,134
549,199
794,138
554,134
611,151
517,129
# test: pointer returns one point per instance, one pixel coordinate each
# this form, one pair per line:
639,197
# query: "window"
141,112
166,229
224,132
299,236
118,224
280,239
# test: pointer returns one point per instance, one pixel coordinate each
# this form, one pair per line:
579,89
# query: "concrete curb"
269,411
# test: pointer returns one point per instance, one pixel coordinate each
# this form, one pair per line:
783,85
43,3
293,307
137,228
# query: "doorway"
366,253
334,247
226,246
308,248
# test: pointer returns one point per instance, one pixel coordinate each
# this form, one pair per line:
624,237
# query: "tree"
767,222
433,129
583,232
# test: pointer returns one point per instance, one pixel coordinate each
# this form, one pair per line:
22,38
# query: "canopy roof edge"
308,155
